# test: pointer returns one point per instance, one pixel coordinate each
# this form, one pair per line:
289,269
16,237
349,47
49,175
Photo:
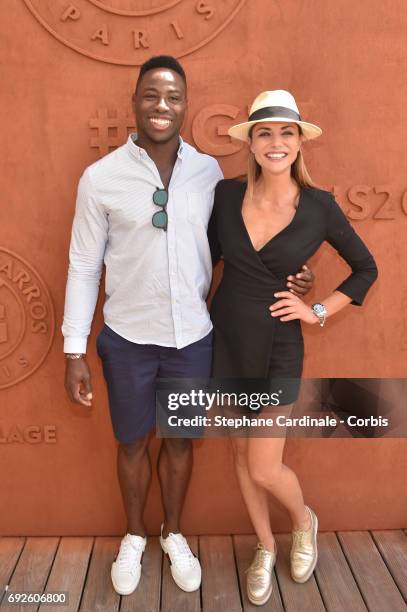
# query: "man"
143,210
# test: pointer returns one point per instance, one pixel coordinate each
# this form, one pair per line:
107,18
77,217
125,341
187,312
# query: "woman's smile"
275,156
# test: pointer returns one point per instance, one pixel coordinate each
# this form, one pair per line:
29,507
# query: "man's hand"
77,381
302,282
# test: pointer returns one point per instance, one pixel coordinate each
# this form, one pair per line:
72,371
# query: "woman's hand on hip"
290,307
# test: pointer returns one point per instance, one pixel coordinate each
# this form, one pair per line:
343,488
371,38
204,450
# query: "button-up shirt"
156,281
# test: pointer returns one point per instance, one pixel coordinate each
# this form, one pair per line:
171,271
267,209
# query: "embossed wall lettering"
27,319
140,39
111,129
29,434
126,32
203,138
377,202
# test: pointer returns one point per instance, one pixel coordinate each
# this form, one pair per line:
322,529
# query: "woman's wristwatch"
74,355
320,311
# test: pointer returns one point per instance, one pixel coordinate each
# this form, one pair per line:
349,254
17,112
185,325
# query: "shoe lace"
299,536
129,555
301,543
180,552
260,560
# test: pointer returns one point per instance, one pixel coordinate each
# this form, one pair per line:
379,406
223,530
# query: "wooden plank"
98,593
244,551
220,587
10,550
393,547
146,598
69,571
375,582
172,597
304,597
32,570
335,581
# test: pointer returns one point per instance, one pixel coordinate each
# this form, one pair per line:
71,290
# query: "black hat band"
269,112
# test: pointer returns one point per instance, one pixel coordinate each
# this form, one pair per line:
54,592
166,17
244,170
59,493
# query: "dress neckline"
258,251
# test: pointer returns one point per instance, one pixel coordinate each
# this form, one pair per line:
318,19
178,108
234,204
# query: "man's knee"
178,446
134,450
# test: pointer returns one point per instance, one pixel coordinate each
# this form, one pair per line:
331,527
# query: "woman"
265,230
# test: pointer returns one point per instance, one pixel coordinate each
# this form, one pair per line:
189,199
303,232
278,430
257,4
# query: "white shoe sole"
307,576
121,591
177,581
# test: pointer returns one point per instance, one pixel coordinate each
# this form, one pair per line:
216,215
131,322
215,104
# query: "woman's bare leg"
255,497
267,470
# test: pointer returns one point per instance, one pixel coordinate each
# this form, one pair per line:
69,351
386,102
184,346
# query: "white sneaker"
126,569
185,567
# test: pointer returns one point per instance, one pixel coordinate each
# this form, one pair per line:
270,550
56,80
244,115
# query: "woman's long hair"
298,171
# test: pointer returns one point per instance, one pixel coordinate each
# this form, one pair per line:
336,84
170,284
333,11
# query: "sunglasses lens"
160,219
160,197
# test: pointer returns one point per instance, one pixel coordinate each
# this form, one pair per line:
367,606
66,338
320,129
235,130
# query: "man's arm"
88,243
302,282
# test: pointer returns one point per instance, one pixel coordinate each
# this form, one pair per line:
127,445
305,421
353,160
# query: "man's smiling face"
159,104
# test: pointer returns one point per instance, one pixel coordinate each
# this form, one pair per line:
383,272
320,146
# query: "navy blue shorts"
131,371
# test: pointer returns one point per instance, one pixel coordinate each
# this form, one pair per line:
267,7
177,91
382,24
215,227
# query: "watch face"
318,309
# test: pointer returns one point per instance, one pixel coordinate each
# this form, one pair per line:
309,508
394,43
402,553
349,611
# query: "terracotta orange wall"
69,71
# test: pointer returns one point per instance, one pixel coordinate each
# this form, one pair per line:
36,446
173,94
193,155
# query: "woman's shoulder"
320,198
229,186
229,194
319,195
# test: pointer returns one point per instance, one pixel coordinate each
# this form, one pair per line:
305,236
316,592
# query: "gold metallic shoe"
304,552
259,576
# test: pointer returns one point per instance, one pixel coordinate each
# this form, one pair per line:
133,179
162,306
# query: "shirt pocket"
199,207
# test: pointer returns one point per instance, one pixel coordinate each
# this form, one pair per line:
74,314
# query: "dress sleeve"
342,236
215,246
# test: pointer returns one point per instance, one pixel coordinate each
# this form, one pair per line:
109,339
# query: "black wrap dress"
249,343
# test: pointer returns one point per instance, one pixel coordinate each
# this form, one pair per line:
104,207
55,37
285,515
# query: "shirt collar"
140,153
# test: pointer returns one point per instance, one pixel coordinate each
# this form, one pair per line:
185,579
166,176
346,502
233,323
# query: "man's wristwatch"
74,355
320,311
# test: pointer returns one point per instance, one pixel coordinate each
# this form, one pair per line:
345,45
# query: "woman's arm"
290,307
342,236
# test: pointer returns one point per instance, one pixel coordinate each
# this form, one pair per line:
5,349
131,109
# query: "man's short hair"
161,61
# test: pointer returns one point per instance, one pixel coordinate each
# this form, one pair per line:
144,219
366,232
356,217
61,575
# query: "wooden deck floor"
356,571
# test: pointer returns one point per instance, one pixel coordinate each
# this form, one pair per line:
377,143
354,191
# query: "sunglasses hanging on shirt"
160,218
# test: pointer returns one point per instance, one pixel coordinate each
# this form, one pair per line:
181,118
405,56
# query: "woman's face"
275,145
